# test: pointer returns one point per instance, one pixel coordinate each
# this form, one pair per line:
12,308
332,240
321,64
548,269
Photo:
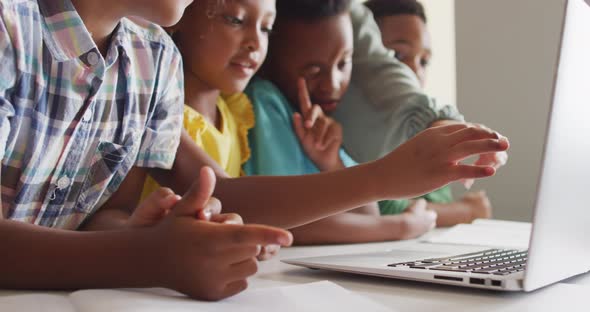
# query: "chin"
170,14
168,20
237,87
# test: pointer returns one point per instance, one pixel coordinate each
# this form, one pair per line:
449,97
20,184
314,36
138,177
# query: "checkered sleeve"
7,79
162,136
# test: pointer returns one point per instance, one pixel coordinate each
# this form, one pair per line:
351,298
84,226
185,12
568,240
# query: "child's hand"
206,260
417,220
267,252
159,203
478,205
432,159
496,160
320,135
154,208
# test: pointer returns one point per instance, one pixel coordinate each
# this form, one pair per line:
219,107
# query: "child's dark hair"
383,8
310,10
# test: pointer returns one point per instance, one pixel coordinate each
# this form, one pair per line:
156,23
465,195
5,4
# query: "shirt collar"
65,35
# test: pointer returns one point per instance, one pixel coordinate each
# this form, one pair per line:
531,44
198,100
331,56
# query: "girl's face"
319,51
408,36
223,45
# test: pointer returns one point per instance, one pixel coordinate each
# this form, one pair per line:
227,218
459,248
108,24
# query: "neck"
100,20
202,98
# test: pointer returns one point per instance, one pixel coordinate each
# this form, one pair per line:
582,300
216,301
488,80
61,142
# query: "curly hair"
310,10
383,8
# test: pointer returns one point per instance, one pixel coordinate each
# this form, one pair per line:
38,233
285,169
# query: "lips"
328,106
244,66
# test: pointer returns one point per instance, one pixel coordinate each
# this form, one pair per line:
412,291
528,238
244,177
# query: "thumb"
199,194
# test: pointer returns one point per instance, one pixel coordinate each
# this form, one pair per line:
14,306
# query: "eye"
424,62
232,20
267,30
344,63
312,72
400,56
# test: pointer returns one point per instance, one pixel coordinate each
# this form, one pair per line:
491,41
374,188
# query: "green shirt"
275,148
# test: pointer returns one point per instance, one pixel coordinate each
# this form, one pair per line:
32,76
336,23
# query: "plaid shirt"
72,122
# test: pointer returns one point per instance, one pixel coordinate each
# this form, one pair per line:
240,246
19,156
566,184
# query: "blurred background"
496,61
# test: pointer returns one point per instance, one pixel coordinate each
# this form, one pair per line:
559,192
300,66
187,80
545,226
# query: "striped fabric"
72,122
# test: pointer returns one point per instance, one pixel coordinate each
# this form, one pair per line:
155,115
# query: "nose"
254,39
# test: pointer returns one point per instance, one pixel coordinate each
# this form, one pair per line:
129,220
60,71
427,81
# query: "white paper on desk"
490,233
37,303
320,296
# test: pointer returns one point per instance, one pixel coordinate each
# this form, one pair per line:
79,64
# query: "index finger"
304,100
260,235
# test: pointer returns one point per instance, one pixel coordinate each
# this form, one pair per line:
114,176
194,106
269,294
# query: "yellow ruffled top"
228,145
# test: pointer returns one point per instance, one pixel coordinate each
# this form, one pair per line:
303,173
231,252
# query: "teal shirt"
275,148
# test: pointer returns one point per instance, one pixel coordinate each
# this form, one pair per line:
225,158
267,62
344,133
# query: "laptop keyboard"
491,261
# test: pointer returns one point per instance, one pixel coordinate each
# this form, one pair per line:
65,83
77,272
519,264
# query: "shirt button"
92,58
87,115
63,182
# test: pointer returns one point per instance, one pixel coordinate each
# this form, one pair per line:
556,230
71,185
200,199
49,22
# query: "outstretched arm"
367,226
427,162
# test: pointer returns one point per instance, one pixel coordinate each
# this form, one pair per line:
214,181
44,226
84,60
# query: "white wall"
441,82
506,52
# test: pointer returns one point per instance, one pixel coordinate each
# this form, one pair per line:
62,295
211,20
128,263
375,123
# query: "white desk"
413,296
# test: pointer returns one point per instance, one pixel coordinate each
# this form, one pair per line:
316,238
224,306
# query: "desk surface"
414,296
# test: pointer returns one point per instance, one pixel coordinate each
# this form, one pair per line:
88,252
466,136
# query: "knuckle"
239,236
214,292
241,285
252,267
473,131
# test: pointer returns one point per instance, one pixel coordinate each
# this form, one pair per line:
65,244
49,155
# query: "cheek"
214,47
345,82
167,13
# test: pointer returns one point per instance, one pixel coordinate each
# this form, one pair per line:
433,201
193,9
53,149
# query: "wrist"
374,180
467,214
146,258
396,226
334,165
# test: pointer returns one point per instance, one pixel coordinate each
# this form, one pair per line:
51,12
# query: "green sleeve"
385,98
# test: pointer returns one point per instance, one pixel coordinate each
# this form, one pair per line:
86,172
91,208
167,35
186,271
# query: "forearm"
107,220
283,201
348,228
451,214
296,200
35,257
115,213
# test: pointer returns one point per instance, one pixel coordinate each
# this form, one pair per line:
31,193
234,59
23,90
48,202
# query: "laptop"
559,246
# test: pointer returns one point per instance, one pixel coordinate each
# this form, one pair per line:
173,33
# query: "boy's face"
408,36
320,51
224,45
161,12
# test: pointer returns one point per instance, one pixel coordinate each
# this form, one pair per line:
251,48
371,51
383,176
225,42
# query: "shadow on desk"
407,295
